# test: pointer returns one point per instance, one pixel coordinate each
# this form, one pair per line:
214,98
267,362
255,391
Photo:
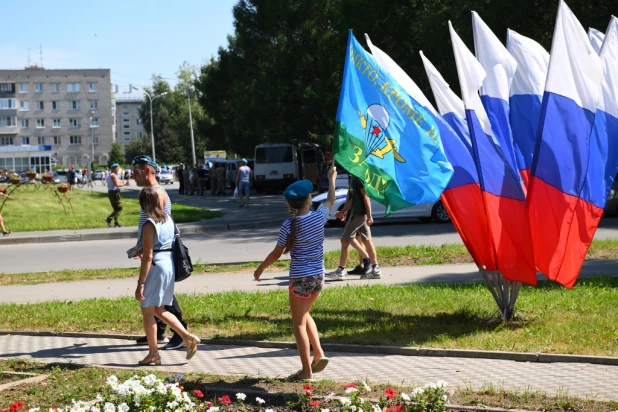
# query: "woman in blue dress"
155,286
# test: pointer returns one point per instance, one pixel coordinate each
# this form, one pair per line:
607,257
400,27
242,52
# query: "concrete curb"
132,232
366,349
34,378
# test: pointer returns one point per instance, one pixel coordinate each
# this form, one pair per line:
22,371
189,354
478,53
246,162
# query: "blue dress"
159,286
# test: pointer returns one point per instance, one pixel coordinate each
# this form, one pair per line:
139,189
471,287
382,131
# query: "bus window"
282,154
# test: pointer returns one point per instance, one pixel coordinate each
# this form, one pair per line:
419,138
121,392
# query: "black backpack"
182,261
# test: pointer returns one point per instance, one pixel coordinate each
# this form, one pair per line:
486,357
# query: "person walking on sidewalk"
243,182
302,235
4,231
113,192
155,285
359,205
144,174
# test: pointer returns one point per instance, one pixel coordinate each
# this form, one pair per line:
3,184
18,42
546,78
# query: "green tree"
136,147
115,155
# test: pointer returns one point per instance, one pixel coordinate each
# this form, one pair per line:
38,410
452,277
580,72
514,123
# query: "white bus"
279,164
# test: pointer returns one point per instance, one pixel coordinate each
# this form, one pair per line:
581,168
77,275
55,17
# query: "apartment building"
128,123
50,117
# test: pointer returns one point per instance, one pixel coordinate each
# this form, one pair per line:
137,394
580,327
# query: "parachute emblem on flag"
375,124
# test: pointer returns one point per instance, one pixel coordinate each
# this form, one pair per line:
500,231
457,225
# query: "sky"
133,38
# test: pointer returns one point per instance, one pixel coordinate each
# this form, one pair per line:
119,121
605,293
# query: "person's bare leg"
150,327
299,307
371,251
345,252
359,248
2,224
172,321
312,332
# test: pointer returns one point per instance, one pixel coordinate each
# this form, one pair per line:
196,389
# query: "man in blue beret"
113,193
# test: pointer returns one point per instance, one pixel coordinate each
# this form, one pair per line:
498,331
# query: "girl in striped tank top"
302,235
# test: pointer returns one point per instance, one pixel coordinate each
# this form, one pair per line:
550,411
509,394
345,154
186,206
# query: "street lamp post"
90,184
151,98
190,121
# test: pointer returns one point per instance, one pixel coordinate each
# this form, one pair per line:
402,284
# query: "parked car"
425,212
98,174
166,177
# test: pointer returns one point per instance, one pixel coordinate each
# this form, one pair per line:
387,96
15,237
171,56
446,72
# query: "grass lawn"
389,256
60,388
36,210
556,320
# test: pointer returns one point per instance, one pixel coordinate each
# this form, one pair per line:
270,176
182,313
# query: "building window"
25,123
125,107
25,141
75,122
127,133
38,87
8,121
94,122
24,106
126,126
23,87
74,105
40,140
7,103
55,105
95,139
40,123
137,110
6,141
125,113
55,87
56,140
139,121
126,120
38,105
92,87
94,104
75,139
139,135
6,87
56,124
73,87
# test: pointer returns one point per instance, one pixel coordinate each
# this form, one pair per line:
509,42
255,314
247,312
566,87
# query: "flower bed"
150,394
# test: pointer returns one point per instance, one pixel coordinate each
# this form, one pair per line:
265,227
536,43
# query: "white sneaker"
374,274
338,274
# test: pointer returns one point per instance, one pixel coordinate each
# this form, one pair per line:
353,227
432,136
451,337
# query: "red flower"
390,393
198,393
182,389
388,410
314,403
210,405
5,410
17,406
350,385
307,387
399,408
225,400
308,393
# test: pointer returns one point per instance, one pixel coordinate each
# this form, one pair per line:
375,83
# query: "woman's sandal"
154,358
295,378
191,345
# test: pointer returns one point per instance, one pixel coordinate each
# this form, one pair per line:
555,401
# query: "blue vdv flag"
385,137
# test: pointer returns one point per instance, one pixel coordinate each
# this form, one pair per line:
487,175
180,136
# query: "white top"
609,57
499,65
532,62
575,70
308,251
244,174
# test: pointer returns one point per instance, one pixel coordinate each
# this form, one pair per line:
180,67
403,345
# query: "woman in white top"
243,182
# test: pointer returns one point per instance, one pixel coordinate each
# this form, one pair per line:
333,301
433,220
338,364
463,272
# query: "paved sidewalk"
222,282
575,379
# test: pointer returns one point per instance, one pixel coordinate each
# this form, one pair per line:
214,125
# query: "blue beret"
146,160
114,165
244,160
298,190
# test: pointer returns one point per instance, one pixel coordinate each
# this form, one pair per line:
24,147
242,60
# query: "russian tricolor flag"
596,39
526,95
561,157
499,68
463,196
502,191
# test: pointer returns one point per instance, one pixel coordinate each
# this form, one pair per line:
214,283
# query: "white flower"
34,409
367,387
376,408
269,410
241,396
123,407
214,409
430,385
417,391
109,407
260,400
445,398
112,380
353,408
324,410
441,384
350,390
405,397
451,392
330,395
345,401
95,408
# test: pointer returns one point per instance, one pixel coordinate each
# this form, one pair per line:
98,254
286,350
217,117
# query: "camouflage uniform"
220,172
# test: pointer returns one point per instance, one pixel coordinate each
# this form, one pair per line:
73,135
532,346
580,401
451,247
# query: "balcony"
8,130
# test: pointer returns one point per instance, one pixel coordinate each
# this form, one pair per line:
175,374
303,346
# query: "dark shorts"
307,286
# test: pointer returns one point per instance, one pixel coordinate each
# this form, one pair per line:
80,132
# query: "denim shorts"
244,188
307,286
